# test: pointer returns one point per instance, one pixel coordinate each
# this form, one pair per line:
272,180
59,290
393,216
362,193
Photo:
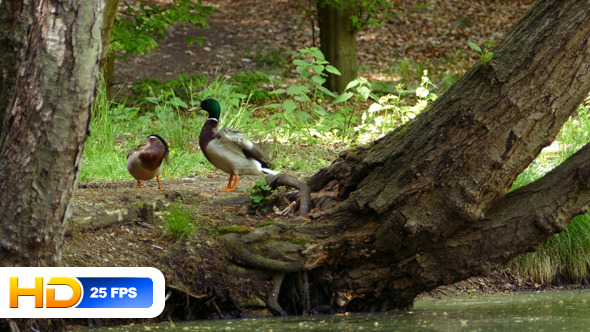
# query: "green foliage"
312,67
345,118
302,102
116,128
291,155
260,193
389,111
484,54
362,12
179,223
176,95
253,84
312,113
421,6
103,156
185,162
166,108
408,71
465,20
136,30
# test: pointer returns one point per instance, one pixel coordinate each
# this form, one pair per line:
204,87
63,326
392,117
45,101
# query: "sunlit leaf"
289,105
342,97
475,46
333,70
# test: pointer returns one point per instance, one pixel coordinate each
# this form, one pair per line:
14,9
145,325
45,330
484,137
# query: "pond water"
545,311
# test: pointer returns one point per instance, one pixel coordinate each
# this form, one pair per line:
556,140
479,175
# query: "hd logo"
81,292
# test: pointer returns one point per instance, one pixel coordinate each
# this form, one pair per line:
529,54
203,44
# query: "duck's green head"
212,107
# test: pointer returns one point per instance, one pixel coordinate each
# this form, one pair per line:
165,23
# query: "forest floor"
117,224
251,34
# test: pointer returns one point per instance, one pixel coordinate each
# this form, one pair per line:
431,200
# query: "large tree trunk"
49,63
428,204
338,43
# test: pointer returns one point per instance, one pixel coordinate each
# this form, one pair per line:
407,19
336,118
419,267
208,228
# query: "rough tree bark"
429,203
338,43
49,53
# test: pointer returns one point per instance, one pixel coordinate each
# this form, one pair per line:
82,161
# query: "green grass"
100,165
314,127
563,258
252,84
104,158
117,127
179,223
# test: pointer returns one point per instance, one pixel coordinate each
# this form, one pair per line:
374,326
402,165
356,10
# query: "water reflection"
546,311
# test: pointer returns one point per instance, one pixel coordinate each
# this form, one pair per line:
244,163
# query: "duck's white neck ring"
214,119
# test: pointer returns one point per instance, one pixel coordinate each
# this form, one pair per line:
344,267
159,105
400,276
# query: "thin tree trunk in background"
107,58
338,43
49,65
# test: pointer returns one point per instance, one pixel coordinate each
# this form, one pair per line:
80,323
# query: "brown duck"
145,161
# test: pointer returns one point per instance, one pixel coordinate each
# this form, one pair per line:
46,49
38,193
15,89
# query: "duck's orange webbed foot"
229,186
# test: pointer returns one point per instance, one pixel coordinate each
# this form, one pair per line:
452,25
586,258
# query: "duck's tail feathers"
269,171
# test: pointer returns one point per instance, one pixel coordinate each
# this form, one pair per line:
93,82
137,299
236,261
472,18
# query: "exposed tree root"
13,326
305,291
246,257
273,296
214,304
295,294
198,297
304,196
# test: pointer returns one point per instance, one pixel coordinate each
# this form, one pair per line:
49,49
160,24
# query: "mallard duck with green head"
230,150
145,161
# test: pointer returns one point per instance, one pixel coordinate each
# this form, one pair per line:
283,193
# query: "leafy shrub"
260,193
136,30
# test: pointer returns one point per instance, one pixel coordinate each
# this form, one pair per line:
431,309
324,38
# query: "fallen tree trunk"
427,204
